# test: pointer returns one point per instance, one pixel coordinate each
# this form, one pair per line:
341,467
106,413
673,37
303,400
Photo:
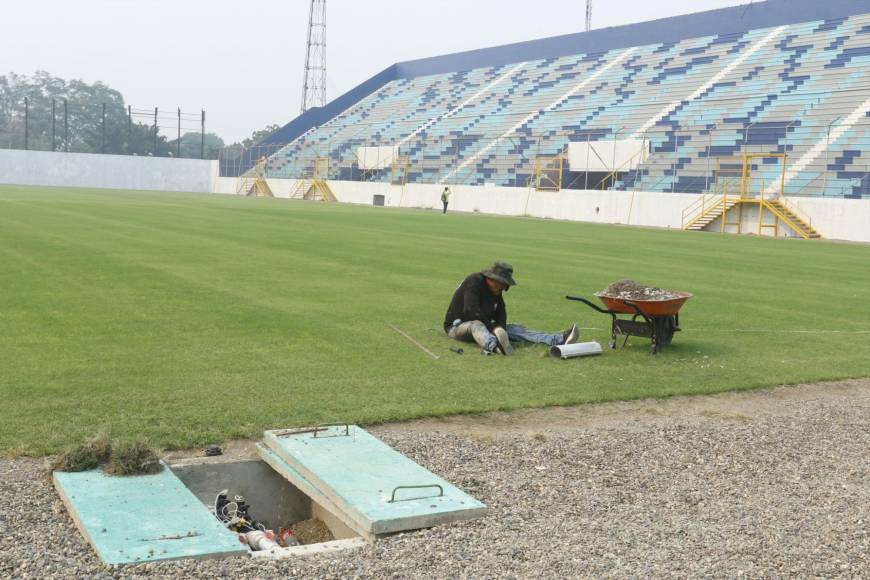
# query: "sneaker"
571,335
503,341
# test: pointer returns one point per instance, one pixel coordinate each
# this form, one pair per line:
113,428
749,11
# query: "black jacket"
474,301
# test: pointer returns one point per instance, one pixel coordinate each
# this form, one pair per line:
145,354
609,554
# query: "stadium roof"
714,22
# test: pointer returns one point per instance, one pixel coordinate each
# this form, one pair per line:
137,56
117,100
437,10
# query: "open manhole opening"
273,501
325,482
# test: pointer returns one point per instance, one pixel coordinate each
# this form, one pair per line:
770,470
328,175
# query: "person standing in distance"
445,197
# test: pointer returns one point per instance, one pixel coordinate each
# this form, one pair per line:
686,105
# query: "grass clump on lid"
88,455
118,459
133,459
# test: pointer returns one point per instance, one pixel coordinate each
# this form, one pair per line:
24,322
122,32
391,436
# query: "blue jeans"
476,331
519,333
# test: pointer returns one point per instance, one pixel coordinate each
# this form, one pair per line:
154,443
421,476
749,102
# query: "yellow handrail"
795,209
624,163
772,208
540,169
700,207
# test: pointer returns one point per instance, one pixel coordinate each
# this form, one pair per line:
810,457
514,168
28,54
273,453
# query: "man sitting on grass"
477,314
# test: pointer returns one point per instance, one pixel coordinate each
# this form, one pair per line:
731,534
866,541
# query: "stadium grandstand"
661,106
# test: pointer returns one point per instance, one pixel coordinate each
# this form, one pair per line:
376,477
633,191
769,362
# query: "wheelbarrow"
657,320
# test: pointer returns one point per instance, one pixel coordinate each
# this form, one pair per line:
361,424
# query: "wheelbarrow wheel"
665,328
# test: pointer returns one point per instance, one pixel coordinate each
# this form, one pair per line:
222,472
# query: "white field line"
820,146
791,331
618,60
461,105
715,79
766,330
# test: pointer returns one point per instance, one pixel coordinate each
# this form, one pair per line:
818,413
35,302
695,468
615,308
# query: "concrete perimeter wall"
106,171
837,219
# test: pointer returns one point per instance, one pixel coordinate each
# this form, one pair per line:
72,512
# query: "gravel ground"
782,494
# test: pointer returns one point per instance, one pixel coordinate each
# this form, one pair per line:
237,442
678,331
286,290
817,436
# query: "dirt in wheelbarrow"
631,290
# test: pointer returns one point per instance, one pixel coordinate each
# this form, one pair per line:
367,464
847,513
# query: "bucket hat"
501,272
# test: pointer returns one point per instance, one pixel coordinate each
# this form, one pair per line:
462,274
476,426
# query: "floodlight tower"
314,81
588,15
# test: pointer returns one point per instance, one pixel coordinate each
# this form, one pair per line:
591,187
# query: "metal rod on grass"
423,348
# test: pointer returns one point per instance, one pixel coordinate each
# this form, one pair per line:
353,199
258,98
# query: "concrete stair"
711,215
706,210
801,226
312,189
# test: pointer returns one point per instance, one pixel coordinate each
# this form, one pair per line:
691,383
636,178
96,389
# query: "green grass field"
182,319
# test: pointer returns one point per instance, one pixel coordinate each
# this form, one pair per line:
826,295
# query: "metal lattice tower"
588,15
314,82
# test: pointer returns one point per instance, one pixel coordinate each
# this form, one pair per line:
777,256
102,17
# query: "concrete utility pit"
334,487
274,501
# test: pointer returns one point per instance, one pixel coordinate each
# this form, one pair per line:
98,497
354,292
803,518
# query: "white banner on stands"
376,157
612,155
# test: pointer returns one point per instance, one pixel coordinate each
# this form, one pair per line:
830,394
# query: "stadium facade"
691,93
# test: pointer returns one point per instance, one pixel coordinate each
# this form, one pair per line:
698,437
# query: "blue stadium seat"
786,90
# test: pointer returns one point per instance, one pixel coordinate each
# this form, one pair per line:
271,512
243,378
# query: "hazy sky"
241,60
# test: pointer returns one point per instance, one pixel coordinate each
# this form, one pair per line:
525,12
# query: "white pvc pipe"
258,540
564,351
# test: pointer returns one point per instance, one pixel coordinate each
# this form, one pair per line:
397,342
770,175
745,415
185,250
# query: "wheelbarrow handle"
636,309
589,304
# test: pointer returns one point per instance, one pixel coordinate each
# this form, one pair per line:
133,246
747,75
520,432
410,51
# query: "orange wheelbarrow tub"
656,320
670,307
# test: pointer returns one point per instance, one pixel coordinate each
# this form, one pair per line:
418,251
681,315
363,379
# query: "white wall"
839,219
279,187
106,171
618,207
842,219
836,219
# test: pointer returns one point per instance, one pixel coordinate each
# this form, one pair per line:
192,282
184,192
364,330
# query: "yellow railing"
796,210
324,190
700,207
244,185
399,170
732,189
254,179
547,173
613,174
784,218
320,169
315,180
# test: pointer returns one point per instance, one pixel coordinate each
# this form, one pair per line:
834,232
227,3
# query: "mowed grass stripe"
187,318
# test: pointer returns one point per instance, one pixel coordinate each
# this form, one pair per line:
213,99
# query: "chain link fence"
59,124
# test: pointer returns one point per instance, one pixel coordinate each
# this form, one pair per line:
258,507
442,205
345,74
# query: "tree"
31,97
90,131
258,136
191,145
